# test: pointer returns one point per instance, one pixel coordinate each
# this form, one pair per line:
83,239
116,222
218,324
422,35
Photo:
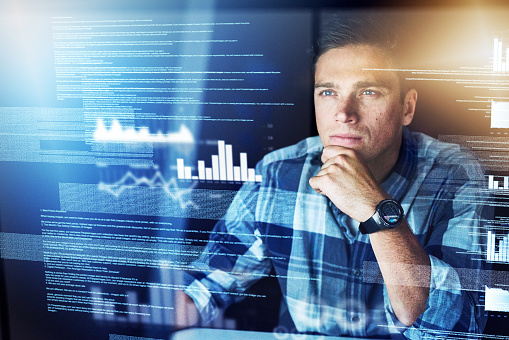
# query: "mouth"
346,140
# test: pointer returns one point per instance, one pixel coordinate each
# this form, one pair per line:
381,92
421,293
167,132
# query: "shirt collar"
399,179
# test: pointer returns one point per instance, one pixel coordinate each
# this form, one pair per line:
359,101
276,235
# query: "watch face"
391,212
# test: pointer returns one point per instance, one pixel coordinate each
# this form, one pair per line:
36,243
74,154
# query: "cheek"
323,105
389,116
374,115
321,125
322,113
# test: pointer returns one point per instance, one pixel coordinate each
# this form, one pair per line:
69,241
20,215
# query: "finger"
324,171
315,184
342,161
332,151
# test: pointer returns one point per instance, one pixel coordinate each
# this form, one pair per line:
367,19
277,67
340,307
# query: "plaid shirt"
324,271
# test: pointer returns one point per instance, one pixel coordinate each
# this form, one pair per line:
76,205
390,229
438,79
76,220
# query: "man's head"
346,29
357,106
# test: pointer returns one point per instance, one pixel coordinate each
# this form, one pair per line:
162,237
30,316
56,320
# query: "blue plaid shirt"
324,271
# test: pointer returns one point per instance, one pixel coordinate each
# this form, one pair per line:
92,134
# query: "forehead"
356,61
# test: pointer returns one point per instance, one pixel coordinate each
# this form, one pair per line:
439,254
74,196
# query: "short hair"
350,28
343,29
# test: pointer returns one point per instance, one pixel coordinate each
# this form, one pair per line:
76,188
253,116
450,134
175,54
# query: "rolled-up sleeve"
234,258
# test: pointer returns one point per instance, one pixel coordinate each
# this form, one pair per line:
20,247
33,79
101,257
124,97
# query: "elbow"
409,316
407,320
410,308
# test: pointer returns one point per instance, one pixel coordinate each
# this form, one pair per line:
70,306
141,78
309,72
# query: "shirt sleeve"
455,249
234,258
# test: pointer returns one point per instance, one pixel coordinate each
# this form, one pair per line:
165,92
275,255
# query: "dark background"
436,36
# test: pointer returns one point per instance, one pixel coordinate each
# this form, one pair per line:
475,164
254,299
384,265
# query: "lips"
346,140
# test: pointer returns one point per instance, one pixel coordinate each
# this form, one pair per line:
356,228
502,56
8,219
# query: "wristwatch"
388,214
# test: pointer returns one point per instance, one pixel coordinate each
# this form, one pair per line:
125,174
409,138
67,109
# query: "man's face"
358,108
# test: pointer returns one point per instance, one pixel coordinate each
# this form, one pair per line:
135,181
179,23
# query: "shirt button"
357,272
355,319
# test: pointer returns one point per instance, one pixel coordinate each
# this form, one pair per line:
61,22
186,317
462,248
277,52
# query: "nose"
346,110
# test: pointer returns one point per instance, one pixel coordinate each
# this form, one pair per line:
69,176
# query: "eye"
369,93
326,93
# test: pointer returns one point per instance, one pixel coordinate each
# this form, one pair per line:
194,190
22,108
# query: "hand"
186,313
348,183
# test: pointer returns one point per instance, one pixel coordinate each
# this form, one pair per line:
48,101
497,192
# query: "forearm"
406,270
349,183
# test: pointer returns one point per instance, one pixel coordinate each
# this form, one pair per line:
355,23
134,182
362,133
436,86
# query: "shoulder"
428,146
286,167
298,152
445,156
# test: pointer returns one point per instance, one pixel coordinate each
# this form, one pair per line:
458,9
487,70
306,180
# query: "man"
366,197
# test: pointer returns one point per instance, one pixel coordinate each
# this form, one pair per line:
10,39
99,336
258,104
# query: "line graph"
129,180
117,133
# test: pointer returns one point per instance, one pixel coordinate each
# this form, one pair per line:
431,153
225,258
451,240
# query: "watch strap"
375,222
370,226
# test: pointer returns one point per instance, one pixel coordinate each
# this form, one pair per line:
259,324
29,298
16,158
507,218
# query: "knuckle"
349,153
333,168
339,161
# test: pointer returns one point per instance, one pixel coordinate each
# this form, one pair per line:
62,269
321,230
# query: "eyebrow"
320,85
358,84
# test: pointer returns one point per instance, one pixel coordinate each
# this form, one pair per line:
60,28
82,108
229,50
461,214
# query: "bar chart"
496,299
159,310
500,54
497,248
221,169
498,183
499,114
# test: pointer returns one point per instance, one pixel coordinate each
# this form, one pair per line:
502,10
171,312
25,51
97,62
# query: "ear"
409,106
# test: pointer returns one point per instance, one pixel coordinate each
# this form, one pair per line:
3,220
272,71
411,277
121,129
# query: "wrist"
370,208
388,215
